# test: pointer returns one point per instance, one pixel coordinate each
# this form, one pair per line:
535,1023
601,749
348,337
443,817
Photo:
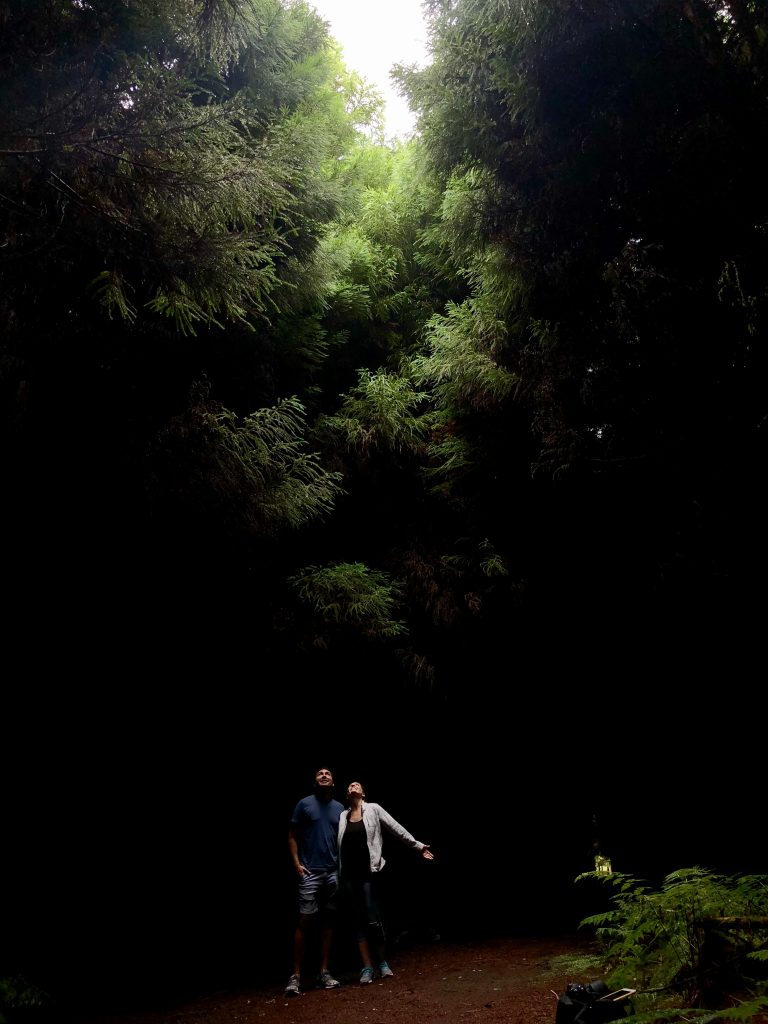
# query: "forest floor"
497,981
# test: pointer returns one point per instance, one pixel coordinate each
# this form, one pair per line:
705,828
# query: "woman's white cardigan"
374,816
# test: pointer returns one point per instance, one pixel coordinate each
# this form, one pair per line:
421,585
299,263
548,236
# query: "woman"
360,864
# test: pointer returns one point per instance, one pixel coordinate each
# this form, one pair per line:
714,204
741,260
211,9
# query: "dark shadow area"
148,811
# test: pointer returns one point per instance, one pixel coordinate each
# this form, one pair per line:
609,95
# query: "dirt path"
500,981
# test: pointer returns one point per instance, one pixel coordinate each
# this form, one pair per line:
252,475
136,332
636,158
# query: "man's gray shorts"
317,891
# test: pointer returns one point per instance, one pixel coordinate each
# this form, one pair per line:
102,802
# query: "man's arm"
293,846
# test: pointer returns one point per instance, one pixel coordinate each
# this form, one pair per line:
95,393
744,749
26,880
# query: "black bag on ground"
591,1004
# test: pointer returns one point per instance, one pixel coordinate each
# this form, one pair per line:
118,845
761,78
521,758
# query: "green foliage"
166,172
359,272
491,563
661,941
483,556
380,259
460,368
379,413
352,594
176,153
556,128
253,473
601,173
450,458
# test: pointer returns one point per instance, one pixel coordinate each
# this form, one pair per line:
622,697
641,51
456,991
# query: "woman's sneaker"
366,976
292,988
385,970
327,980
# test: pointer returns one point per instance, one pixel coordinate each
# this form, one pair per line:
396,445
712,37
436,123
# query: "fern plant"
700,939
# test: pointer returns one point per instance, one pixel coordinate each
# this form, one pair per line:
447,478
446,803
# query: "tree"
155,153
166,172
606,166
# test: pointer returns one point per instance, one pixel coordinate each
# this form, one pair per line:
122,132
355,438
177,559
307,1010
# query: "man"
313,843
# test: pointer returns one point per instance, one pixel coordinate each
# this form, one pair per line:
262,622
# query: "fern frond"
351,593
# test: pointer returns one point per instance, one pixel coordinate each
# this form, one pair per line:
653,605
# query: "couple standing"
340,851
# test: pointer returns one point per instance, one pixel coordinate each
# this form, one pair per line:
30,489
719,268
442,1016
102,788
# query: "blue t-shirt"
317,823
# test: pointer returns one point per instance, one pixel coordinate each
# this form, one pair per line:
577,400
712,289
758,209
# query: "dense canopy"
293,417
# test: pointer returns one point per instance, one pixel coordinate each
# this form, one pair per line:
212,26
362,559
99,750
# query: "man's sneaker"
327,980
366,976
385,970
292,988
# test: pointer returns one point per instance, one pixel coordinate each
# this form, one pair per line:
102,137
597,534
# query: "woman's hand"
427,854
